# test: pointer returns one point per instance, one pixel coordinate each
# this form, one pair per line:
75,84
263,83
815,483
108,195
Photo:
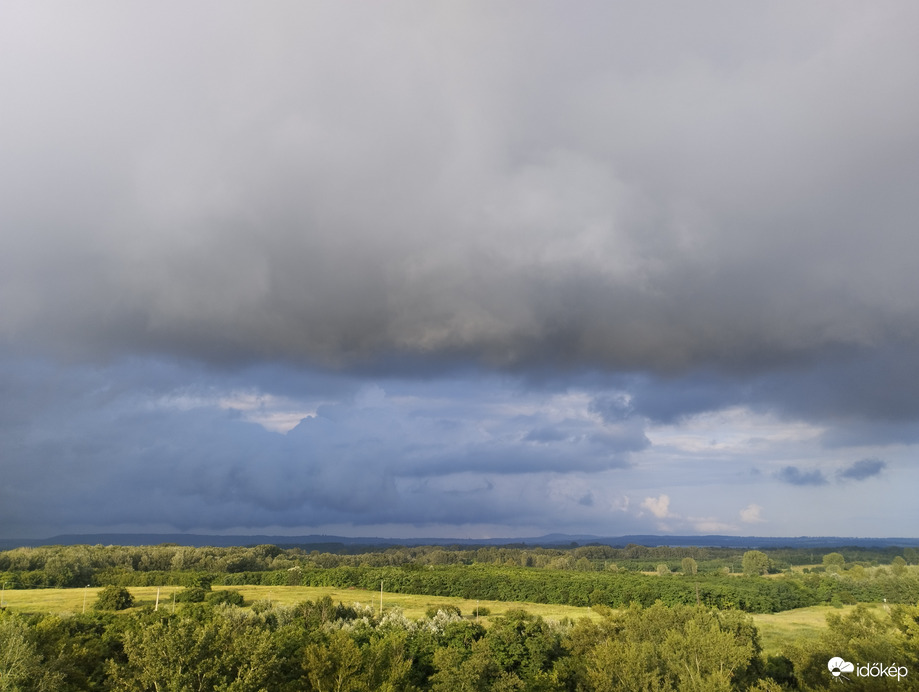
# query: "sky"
459,269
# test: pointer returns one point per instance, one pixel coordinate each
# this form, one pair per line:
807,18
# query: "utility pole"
84,598
157,606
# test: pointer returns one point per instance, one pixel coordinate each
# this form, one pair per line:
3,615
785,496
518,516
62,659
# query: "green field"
777,630
71,600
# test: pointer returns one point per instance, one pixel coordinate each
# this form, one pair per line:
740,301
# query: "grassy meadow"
414,607
777,630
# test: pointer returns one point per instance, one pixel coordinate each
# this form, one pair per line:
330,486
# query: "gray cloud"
481,210
545,435
697,199
859,396
164,445
795,476
863,469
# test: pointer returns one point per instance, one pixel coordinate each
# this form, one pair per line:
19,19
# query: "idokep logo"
839,666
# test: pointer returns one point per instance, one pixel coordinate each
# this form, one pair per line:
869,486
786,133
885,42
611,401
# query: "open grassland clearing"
414,607
778,630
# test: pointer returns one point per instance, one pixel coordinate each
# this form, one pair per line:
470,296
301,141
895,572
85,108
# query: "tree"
21,665
191,594
898,566
857,572
114,598
689,566
834,562
755,562
457,670
664,648
225,596
334,667
583,565
231,652
522,644
865,636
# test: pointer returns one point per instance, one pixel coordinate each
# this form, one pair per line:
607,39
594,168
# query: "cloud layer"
337,187
294,266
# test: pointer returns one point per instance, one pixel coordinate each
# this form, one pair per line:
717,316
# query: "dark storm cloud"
795,476
854,432
858,471
540,190
485,249
546,435
667,400
860,396
612,408
863,469
167,445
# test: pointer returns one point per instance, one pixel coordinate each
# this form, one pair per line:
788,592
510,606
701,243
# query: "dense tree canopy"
755,562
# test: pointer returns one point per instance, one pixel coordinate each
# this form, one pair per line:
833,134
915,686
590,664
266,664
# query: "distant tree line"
77,562
581,576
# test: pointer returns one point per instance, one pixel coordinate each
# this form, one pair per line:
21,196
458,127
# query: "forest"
578,576
662,619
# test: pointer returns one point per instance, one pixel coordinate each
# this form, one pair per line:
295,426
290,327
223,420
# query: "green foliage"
225,597
860,636
182,653
162,565
661,648
755,562
780,670
341,664
114,598
22,666
200,580
191,594
334,665
448,609
327,645
834,562
580,589
570,575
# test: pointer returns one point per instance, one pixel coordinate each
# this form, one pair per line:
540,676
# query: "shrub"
262,606
448,609
225,596
114,598
191,594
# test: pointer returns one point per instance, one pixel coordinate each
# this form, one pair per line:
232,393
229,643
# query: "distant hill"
555,540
